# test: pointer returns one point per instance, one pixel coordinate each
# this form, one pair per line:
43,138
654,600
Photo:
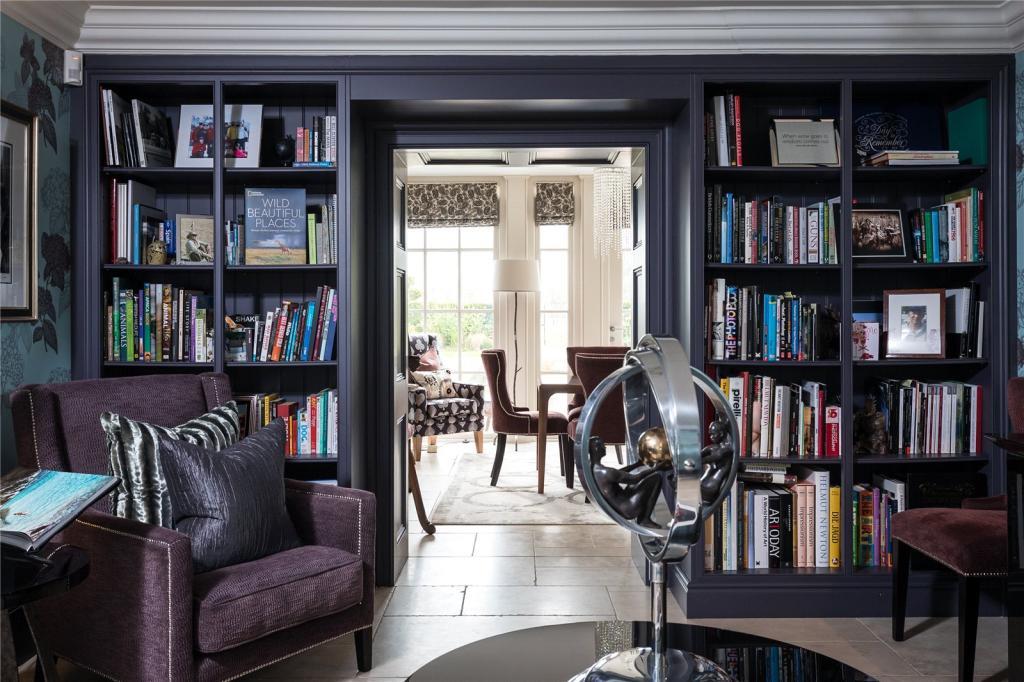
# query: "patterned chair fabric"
442,415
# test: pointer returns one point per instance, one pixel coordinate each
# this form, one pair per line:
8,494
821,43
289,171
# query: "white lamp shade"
515,274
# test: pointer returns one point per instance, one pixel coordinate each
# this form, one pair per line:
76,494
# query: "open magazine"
35,504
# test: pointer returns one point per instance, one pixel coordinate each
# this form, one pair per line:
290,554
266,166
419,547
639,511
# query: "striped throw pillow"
134,454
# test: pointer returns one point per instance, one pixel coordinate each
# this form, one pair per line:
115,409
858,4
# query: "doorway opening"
520,267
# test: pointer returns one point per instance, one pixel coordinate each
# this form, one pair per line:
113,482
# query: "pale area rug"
470,499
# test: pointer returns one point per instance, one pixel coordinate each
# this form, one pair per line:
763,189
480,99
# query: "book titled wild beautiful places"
275,226
36,503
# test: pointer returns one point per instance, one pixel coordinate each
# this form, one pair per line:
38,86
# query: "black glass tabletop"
556,653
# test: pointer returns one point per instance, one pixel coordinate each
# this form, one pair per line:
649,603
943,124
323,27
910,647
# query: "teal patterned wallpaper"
31,76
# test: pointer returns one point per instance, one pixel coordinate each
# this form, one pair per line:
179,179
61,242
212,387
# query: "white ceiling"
527,26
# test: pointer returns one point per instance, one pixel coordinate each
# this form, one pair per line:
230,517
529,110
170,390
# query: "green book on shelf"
968,131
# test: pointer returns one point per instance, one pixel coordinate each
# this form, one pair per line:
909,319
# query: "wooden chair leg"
967,628
431,443
478,436
900,579
499,454
570,461
417,447
364,649
417,499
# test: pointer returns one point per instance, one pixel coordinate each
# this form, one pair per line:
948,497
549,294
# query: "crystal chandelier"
613,209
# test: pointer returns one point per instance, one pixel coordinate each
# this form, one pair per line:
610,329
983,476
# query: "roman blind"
554,204
455,204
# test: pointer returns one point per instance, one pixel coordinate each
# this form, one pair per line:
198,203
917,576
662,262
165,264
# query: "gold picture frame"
19,247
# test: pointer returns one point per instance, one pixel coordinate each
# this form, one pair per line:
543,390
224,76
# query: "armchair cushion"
241,603
230,503
451,407
133,449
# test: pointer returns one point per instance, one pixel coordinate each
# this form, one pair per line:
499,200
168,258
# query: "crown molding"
529,27
58,22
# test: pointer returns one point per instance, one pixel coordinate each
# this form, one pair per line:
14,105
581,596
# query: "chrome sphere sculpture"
693,480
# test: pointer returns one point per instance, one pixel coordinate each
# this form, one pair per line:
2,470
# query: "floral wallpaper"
31,76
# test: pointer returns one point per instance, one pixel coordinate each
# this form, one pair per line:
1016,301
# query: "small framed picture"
243,131
19,131
878,233
804,142
915,322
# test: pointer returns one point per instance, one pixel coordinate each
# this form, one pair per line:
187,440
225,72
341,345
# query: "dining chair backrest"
572,351
610,423
504,418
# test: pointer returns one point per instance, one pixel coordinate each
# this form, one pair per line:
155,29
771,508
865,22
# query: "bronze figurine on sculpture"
633,489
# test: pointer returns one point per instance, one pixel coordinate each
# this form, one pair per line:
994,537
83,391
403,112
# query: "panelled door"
400,486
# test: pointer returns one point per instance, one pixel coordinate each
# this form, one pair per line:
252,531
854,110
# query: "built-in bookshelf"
223,286
849,285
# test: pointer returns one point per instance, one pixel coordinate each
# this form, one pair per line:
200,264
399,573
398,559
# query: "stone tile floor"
470,582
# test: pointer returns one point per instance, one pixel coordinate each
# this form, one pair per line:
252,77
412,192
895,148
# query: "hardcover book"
154,139
275,226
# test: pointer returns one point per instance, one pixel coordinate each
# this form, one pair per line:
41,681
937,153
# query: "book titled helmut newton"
275,226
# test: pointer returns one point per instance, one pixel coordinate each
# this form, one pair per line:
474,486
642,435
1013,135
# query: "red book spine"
739,131
299,144
279,333
831,431
318,328
981,225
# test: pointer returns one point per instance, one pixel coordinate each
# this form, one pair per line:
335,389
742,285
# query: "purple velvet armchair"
142,614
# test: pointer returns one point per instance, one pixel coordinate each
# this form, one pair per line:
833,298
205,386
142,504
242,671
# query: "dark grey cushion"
230,503
133,451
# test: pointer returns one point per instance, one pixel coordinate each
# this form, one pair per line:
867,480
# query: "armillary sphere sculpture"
666,462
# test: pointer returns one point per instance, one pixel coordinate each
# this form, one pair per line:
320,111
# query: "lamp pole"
515,345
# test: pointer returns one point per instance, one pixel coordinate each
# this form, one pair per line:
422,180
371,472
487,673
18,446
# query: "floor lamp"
515,275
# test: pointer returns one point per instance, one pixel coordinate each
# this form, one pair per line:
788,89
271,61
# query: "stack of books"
135,134
723,131
157,323
794,524
315,147
965,322
952,232
293,332
779,419
930,418
746,324
321,244
907,157
738,230
311,423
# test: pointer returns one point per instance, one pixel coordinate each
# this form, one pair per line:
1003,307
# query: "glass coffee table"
556,653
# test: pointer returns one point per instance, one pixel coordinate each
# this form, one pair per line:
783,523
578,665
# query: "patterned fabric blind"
554,204
457,204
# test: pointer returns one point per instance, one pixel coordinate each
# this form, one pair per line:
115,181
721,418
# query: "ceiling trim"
530,26
59,22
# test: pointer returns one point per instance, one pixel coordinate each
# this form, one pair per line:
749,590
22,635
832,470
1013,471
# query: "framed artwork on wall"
19,130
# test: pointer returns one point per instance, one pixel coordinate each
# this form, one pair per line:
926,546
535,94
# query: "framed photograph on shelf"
19,132
878,233
915,322
804,142
243,129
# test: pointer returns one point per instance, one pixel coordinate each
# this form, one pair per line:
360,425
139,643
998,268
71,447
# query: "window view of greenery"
554,307
449,293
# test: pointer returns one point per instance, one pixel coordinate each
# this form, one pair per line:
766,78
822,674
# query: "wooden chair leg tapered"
478,437
499,454
431,443
967,628
900,580
417,447
570,462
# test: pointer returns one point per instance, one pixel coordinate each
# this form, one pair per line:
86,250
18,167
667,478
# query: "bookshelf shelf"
938,362
310,460
920,459
934,267
770,267
816,573
313,176
281,268
127,267
161,175
824,461
159,365
298,364
726,174
767,364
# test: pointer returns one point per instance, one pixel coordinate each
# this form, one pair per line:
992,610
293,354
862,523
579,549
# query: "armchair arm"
138,594
417,399
474,391
335,517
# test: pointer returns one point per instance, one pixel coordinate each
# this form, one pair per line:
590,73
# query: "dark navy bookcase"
520,101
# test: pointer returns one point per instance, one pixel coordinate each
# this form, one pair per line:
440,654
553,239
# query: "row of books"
965,322
779,419
777,664
912,157
723,131
873,508
157,322
292,332
142,234
953,232
135,134
924,418
746,324
738,230
315,147
311,424
794,523
247,238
